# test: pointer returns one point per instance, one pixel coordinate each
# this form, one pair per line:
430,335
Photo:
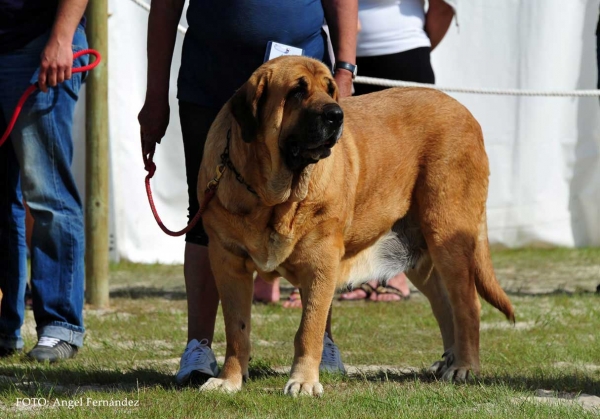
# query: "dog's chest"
271,237
275,249
274,236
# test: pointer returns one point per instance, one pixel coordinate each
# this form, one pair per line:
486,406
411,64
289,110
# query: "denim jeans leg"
13,250
43,144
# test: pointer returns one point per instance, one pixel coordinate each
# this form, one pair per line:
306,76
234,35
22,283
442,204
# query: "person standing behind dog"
37,41
224,44
396,39
395,42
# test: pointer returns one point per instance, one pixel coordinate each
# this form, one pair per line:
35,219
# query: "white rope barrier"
398,83
505,92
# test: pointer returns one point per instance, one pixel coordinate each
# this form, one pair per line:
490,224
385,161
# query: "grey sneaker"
52,350
198,363
331,360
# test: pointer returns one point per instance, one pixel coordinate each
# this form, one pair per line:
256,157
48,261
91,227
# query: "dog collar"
226,161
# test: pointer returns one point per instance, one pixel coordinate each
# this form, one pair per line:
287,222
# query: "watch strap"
347,66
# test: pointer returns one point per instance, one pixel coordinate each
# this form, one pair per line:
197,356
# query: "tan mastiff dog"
328,193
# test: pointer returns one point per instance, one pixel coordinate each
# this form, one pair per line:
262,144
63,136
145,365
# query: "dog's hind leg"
454,262
427,280
235,285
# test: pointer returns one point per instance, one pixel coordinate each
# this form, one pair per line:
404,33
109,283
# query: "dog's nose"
333,114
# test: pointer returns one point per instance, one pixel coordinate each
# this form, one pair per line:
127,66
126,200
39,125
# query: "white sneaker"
331,360
197,363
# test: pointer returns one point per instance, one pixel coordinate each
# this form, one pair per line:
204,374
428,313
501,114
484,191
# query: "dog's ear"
246,106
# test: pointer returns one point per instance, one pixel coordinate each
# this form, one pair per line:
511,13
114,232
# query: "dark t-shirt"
227,40
21,21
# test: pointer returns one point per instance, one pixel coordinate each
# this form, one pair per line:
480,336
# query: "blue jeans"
35,164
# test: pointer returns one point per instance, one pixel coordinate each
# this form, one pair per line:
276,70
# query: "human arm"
162,33
342,19
437,21
56,60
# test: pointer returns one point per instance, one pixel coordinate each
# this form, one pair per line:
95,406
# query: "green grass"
132,351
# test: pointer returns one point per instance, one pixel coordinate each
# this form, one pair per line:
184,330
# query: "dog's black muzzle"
320,132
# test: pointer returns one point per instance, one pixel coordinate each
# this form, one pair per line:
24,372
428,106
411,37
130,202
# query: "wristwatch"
346,66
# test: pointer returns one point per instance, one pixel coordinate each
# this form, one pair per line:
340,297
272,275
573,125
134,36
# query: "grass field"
132,351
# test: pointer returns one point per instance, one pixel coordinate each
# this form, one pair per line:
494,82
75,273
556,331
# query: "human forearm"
68,16
438,20
162,33
342,20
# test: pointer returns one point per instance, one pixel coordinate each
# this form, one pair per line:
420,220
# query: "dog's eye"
298,93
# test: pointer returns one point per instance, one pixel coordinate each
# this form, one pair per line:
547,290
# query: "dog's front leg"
235,286
318,284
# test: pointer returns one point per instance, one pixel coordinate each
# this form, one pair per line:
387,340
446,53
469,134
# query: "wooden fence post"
97,162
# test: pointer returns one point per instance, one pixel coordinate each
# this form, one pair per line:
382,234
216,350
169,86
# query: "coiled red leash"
32,88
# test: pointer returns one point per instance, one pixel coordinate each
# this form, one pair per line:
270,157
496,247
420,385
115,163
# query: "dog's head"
288,112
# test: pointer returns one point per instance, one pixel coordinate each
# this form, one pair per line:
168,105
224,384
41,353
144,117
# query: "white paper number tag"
275,49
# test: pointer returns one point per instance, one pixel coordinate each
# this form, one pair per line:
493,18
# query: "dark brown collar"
226,161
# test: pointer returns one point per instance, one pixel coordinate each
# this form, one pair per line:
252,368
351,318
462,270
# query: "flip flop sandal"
388,289
367,288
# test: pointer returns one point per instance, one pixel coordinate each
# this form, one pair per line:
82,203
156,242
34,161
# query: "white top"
390,27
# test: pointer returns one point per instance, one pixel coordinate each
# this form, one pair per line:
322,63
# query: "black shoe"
6,352
52,350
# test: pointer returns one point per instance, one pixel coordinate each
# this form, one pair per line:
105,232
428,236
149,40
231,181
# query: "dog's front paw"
295,387
222,385
458,375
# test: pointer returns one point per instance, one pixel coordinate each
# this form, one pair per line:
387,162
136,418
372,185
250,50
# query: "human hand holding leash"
56,60
56,63
33,87
154,120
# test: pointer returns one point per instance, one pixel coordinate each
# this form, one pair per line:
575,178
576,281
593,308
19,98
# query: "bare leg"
266,292
202,294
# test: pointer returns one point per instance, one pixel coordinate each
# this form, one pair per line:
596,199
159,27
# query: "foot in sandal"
396,289
363,292
294,300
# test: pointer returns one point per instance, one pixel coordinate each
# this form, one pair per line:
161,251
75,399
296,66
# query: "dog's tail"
485,278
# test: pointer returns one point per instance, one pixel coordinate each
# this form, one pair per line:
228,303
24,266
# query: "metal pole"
96,182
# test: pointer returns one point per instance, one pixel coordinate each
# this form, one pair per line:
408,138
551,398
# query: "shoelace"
198,353
46,341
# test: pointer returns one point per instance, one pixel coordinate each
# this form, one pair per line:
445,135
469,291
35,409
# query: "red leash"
32,88
211,189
